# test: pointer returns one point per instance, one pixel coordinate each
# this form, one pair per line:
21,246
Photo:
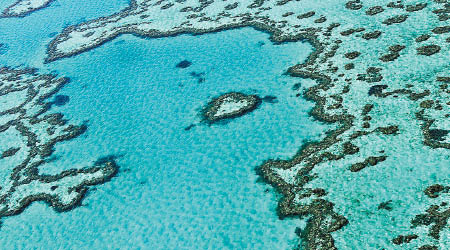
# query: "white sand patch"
230,105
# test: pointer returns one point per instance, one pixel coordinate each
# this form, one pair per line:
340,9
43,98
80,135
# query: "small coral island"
230,105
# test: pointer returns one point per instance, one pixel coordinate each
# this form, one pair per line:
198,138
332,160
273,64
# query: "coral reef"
381,76
29,132
435,217
230,105
22,8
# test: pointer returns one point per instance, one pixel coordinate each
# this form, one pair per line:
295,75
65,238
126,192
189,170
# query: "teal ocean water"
176,188
26,38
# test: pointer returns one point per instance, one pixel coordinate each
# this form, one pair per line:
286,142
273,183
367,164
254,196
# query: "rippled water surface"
176,188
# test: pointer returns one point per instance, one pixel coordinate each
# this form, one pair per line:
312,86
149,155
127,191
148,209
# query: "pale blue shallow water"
27,38
176,189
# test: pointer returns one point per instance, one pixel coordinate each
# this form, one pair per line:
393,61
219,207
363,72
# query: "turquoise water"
28,37
176,188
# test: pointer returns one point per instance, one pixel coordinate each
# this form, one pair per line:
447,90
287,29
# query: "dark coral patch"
61,100
377,89
3,48
428,50
270,99
438,134
9,152
184,64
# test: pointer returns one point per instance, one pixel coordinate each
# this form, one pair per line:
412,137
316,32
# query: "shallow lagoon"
26,38
177,188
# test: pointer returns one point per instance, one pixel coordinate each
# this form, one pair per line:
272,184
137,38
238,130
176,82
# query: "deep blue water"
176,189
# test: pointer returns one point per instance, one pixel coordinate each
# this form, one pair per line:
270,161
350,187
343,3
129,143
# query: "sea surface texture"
253,124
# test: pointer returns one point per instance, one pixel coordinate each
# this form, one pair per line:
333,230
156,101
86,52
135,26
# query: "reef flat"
382,75
23,8
29,132
230,105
